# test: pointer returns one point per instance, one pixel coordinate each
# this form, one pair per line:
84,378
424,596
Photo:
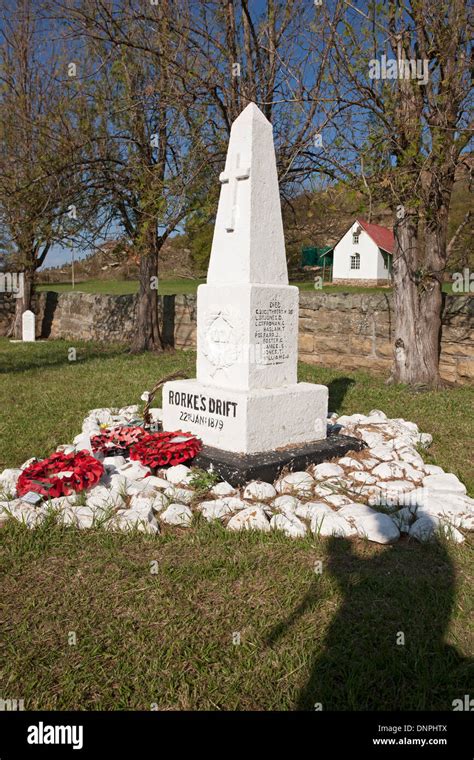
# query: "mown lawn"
170,638
179,285
166,287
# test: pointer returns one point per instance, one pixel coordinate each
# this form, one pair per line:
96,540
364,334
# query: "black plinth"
238,469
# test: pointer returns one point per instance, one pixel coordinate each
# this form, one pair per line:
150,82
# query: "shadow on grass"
37,360
385,647
337,392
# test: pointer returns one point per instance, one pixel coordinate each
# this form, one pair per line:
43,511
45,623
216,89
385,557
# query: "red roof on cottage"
382,236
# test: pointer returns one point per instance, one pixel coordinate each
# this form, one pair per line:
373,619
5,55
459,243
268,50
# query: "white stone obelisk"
246,398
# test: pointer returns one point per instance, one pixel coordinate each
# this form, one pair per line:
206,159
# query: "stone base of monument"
239,469
246,421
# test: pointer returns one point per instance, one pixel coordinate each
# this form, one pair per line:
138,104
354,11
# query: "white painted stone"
355,511
128,520
429,528
252,518
362,478
338,500
326,470
425,440
347,420
378,527
373,439
113,463
331,524
369,463
133,470
140,503
322,491
377,415
82,442
235,503
393,494
388,471
384,453
300,483
352,464
178,474
31,517
404,518
445,483
100,497
61,502
370,493
129,412
215,509
180,495
433,469
453,509
286,504
85,517
290,525
152,481
28,333
177,514
409,455
247,317
156,414
8,480
312,508
259,490
412,473
223,489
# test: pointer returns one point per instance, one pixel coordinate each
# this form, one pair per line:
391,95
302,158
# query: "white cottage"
363,256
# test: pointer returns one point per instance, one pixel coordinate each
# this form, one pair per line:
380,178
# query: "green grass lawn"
123,287
179,285
170,638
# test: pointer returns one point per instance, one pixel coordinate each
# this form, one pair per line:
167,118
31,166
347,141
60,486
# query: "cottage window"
355,238
355,261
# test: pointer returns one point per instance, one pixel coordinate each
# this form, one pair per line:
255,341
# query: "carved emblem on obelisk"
220,337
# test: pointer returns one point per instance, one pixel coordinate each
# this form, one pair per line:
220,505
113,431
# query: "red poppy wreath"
161,449
60,475
118,438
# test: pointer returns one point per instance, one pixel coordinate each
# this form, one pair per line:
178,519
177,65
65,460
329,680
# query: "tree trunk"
22,303
417,302
147,335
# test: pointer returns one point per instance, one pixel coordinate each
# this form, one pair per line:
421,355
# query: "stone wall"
342,330
355,331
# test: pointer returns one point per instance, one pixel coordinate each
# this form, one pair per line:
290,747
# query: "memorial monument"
246,398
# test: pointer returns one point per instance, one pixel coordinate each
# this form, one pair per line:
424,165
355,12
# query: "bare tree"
39,181
148,155
403,70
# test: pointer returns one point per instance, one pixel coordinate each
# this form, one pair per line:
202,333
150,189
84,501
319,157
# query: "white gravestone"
28,327
246,398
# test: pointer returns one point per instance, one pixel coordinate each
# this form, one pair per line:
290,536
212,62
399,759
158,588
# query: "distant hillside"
313,219
115,260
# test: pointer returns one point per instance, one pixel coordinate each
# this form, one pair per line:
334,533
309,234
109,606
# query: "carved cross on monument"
231,178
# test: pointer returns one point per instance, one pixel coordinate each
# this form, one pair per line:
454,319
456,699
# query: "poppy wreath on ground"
161,449
118,439
83,471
